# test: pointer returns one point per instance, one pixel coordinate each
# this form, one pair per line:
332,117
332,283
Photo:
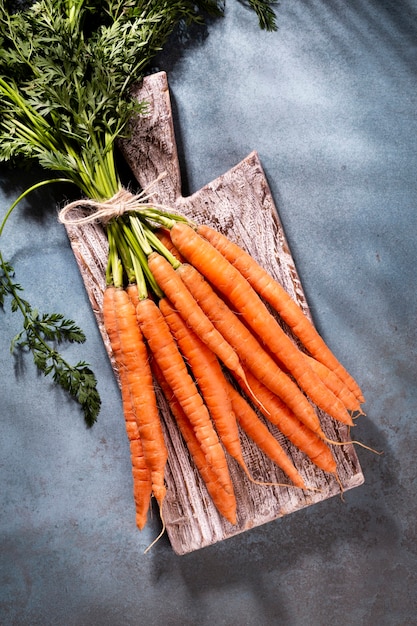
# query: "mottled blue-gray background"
329,102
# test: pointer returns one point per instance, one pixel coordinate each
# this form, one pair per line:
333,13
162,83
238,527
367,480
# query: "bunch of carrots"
184,308
188,310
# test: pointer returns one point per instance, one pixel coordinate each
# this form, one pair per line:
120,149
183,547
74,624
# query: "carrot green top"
66,69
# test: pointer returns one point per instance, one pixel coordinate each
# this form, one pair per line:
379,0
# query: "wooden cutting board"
238,203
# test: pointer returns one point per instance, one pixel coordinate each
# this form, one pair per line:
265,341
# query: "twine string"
102,211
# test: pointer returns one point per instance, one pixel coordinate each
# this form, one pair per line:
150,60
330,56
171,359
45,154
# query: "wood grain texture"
239,204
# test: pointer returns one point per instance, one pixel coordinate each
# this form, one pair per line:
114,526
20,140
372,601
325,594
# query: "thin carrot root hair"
161,534
265,483
342,489
353,442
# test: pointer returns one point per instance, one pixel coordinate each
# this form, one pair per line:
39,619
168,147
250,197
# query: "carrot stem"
159,247
114,274
140,259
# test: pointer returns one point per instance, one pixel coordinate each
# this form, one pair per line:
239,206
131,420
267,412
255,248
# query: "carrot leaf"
39,335
265,13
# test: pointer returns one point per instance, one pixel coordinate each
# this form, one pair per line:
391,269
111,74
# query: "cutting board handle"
152,150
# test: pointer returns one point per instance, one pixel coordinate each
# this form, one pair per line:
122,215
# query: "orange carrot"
171,363
230,282
249,350
224,501
210,380
136,381
165,238
142,483
280,300
335,384
133,293
302,437
175,290
263,438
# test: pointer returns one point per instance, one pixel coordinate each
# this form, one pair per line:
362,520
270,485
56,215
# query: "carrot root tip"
158,537
353,442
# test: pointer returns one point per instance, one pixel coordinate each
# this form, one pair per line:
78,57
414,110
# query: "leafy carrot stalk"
310,442
271,290
335,384
230,282
166,354
132,362
183,301
263,438
248,348
66,72
224,501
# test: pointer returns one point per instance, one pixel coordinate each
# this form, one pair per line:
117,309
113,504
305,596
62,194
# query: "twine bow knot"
103,211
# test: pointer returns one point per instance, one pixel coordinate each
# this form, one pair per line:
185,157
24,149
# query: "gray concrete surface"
329,102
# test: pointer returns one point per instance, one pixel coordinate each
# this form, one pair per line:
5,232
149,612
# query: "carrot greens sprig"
41,333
